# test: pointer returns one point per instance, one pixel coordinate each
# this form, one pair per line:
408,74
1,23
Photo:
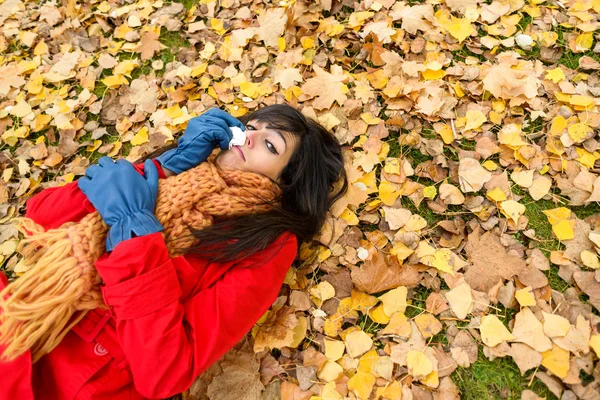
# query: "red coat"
169,318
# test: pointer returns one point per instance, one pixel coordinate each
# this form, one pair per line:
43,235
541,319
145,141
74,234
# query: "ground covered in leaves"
463,261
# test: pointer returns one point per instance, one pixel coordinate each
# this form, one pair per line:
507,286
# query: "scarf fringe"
40,308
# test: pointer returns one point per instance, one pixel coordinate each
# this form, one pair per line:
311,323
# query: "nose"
250,138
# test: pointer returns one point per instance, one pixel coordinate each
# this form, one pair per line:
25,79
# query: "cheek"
227,159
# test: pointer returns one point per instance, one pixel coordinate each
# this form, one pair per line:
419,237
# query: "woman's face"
266,151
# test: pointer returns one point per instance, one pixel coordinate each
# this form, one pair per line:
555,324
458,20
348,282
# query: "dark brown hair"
311,182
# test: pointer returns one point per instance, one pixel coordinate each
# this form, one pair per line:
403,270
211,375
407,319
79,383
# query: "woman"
169,318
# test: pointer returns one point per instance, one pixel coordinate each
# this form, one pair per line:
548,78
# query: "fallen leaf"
493,332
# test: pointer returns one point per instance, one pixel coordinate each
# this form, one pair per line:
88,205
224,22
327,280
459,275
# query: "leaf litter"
461,120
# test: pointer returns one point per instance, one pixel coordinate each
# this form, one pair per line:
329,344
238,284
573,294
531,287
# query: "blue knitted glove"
201,136
124,198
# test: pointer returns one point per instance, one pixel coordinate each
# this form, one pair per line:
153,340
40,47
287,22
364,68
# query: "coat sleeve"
53,207
169,343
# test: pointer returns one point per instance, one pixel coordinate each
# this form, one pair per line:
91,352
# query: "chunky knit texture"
39,308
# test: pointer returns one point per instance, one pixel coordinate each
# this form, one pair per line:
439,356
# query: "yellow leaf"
579,132
370,119
512,209
585,40
349,217
558,125
399,325
496,194
358,343
556,215
393,391
361,384
378,315
323,291
140,137
555,75
460,28
299,332
557,361
401,251
430,192
358,18
432,380
441,260
281,43
394,301
21,109
329,392
490,165
415,223
585,158
525,297
590,259
307,42
581,101
523,178
428,325
125,67
367,362
430,75
493,332
114,81
330,371
250,89
475,119
564,230
217,26
447,134
418,364
94,146
41,48
595,344
388,193
555,325
333,324
334,349
370,181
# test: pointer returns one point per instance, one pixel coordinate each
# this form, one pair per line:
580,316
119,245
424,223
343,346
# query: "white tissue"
239,136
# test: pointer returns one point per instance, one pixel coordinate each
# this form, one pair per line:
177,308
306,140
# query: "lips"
237,148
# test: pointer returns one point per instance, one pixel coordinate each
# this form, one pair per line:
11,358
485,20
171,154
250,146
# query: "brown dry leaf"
240,379
327,87
529,330
149,45
381,273
460,299
525,357
588,284
472,176
428,325
490,262
277,330
464,349
271,25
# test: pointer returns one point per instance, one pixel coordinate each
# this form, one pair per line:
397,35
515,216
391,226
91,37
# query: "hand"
201,136
124,198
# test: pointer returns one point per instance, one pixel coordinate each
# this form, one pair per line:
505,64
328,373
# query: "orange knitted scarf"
61,285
